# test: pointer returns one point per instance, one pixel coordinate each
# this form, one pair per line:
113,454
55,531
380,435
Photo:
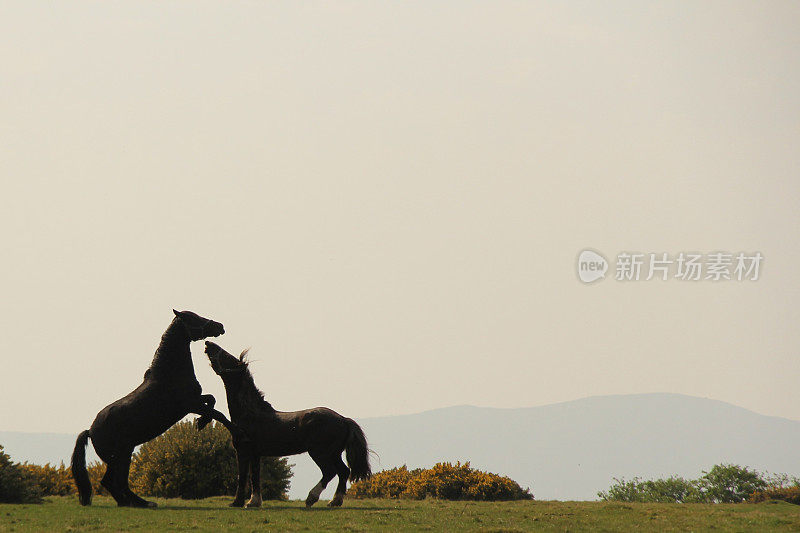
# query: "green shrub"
16,484
669,490
724,483
780,481
727,483
275,478
623,491
191,464
444,481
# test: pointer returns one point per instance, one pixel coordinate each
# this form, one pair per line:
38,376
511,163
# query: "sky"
386,200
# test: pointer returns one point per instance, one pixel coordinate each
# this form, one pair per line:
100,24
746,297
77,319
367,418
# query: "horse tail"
357,452
79,472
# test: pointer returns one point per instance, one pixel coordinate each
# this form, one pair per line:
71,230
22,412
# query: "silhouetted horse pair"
170,391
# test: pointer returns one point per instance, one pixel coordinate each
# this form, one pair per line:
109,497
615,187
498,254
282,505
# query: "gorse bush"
445,481
58,481
52,480
16,484
191,464
385,484
96,471
779,487
724,483
787,494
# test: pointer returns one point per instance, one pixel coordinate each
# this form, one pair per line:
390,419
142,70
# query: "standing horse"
169,392
321,432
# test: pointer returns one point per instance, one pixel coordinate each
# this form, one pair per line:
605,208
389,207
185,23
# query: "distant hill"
565,451
570,450
41,448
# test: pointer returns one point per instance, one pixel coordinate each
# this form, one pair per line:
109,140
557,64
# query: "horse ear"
243,354
177,313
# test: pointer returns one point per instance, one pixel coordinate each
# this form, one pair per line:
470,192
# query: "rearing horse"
169,392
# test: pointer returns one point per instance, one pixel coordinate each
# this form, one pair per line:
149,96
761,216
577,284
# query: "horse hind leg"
341,488
111,483
120,482
108,481
109,456
137,501
328,471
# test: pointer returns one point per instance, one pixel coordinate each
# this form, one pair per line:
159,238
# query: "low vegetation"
444,481
368,515
57,480
723,483
779,487
787,494
181,463
191,464
188,464
17,485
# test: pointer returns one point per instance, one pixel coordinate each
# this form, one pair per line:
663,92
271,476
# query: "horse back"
291,432
144,413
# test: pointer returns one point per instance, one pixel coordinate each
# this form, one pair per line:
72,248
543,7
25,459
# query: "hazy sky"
386,200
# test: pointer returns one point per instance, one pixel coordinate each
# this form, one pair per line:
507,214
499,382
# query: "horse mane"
171,341
249,393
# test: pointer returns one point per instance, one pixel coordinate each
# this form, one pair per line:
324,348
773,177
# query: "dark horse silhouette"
321,432
169,392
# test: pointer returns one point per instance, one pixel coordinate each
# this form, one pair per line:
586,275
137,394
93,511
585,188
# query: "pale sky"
385,200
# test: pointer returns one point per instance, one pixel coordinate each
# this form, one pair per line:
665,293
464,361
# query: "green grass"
213,514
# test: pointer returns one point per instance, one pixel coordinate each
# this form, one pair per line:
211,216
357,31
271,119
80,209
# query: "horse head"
224,363
198,327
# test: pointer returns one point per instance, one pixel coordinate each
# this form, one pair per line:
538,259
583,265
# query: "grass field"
213,514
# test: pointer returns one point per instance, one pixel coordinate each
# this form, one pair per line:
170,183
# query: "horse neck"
173,356
244,397
232,393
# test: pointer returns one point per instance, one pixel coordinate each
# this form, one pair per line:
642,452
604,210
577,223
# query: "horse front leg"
206,412
255,482
209,401
243,461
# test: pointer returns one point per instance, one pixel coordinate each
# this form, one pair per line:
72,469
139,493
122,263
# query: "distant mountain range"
565,451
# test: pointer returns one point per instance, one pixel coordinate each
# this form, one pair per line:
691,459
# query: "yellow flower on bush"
445,481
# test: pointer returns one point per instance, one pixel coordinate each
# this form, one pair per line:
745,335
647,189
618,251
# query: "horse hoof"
336,502
236,504
253,505
143,505
311,501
